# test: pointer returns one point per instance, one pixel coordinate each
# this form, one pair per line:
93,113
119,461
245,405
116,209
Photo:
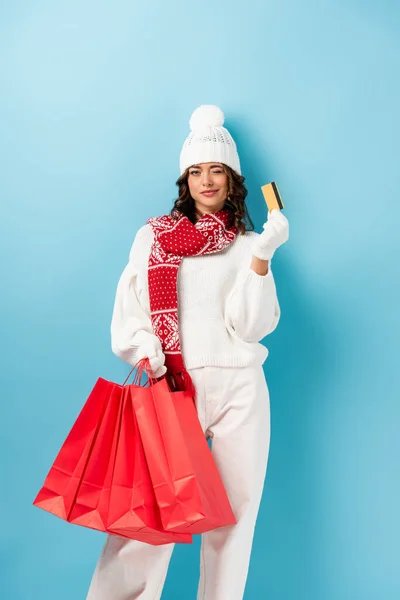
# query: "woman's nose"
206,180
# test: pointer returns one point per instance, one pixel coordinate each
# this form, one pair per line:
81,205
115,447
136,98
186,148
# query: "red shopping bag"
188,488
62,484
133,510
78,485
216,505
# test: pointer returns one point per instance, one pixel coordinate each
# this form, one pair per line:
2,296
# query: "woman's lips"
209,193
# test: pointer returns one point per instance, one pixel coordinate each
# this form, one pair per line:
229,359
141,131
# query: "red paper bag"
215,502
61,486
133,510
189,491
78,485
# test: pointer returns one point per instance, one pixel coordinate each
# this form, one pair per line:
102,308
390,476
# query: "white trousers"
234,410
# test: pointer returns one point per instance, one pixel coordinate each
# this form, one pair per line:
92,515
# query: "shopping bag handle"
142,365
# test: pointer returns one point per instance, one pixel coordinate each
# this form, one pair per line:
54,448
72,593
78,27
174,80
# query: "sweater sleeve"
131,323
252,307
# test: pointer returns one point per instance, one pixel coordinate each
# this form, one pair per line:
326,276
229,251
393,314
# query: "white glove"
151,348
276,233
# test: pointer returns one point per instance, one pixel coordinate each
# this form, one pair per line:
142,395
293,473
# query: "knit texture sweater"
225,308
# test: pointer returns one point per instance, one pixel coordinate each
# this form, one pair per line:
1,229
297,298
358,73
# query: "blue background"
95,101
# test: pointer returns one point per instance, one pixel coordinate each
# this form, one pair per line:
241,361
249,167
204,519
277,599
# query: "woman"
196,298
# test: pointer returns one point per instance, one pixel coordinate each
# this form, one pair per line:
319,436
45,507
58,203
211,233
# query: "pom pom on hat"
206,115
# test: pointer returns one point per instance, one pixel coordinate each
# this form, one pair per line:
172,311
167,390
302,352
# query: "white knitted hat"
208,141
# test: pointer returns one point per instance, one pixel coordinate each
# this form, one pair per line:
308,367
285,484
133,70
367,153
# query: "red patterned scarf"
174,239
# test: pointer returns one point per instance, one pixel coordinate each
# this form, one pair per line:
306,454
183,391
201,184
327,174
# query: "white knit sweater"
224,308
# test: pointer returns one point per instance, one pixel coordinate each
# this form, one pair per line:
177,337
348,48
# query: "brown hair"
235,201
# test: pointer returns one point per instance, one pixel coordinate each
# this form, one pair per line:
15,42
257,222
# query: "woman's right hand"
151,348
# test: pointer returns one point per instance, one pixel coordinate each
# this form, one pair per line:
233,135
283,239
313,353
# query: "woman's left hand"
276,233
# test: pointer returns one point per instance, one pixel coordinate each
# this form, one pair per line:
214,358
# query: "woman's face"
204,177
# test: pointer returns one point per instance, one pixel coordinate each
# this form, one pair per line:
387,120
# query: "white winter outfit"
225,309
